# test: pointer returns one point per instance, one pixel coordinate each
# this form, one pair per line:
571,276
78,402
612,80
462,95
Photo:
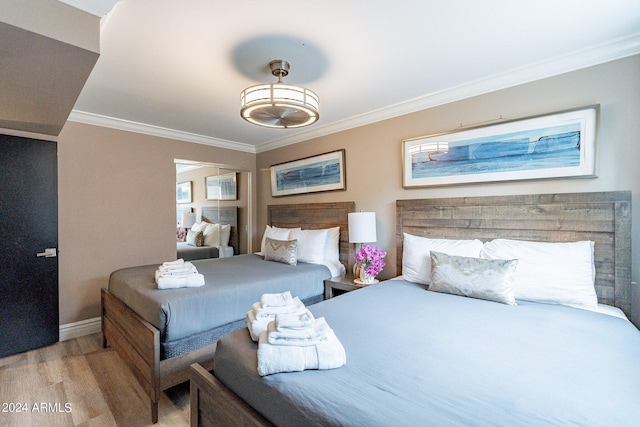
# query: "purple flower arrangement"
181,234
370,259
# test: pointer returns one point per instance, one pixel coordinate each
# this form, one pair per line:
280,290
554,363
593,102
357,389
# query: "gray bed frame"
602,217
137,342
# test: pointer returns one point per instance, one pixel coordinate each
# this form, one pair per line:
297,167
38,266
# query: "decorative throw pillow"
276,233
284,251
195,238
416,264
490,280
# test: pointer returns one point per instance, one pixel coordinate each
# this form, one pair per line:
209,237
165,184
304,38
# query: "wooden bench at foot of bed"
137,342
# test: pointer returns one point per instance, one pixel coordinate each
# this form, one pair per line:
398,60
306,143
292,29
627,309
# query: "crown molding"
594,55
130,126
98,8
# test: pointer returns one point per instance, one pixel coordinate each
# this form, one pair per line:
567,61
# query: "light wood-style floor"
78,383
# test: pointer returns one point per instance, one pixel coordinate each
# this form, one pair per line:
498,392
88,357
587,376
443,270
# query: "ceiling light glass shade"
279,105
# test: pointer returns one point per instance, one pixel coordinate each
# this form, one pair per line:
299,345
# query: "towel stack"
265,311
290,339
178,274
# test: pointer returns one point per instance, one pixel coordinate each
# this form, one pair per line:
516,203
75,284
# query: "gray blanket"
232,285
190,253
419,358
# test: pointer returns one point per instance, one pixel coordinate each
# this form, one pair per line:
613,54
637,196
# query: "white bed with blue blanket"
565,355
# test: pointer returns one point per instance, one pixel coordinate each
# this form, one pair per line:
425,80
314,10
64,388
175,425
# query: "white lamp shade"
188,219
362,227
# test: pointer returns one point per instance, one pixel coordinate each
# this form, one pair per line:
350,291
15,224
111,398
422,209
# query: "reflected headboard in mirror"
224,215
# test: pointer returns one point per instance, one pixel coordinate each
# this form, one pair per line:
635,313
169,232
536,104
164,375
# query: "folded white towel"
160,274
255,326
187,266
190,281
261,312
276,300
179,261
285,322
315,334
272,359
180,272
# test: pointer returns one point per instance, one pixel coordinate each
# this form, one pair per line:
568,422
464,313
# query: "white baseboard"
78,329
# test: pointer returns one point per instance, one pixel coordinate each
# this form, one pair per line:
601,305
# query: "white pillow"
416,254
199,226
225,234
332,246
551,273
311,244
275,233
211,234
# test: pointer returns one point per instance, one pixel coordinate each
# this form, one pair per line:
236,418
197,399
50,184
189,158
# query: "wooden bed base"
602,217
213,404
137,342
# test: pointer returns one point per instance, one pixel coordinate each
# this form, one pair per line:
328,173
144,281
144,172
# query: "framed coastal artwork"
183,192
557,145
221,187
324,172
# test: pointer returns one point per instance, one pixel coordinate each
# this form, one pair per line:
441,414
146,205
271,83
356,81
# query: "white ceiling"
176,68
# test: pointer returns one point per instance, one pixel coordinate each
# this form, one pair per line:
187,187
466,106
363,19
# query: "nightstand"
339,285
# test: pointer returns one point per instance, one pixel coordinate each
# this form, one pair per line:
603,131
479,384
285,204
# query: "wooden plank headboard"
314,216
224,215
604,218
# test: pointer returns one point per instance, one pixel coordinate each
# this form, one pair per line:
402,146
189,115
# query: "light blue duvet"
420,358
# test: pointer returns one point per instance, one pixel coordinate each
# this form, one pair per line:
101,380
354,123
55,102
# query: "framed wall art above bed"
221,187
324,172
558,145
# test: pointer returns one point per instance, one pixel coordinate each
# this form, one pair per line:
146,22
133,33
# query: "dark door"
28,244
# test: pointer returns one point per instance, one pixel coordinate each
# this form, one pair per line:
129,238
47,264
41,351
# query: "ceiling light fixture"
279,105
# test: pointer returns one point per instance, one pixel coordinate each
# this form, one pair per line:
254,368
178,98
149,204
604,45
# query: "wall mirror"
217,194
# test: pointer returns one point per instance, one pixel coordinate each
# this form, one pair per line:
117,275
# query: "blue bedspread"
231,285
416,357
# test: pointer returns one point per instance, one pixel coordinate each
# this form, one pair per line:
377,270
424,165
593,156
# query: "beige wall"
117,206
373,152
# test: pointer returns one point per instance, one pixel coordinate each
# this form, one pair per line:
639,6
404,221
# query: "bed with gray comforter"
195,315
416,357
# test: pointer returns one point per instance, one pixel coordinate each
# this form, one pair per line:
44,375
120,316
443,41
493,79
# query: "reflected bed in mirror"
221,195
223,216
